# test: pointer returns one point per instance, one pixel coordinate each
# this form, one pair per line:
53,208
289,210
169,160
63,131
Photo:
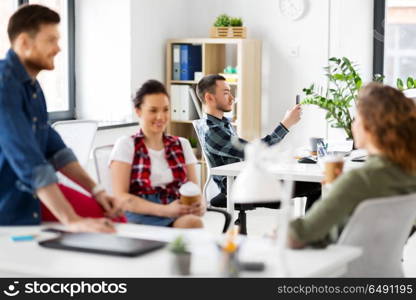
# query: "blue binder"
191,61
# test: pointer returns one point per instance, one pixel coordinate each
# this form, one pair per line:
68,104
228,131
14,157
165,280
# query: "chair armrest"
226,215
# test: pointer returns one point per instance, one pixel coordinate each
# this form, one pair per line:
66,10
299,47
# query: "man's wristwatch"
97,189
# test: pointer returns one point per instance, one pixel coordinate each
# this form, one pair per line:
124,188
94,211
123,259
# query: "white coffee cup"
190,193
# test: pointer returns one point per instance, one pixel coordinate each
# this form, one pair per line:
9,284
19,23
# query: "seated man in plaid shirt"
215,94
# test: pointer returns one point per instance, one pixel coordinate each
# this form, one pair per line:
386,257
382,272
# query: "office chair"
79,136
380,227
211,186
101,159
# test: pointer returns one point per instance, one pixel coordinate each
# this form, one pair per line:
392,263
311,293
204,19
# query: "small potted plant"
181,257
228,27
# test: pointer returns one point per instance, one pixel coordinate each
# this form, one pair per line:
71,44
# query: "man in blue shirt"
218,134
30,150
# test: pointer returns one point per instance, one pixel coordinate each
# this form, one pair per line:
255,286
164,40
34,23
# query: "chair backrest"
380,227
79,136
210,188
101,159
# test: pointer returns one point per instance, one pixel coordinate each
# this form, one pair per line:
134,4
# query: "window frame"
70,113
378,36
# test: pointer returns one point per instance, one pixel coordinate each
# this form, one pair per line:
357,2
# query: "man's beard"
37,65
221,108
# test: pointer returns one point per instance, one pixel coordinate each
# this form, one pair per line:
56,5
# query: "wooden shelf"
214,41
183,82
217,54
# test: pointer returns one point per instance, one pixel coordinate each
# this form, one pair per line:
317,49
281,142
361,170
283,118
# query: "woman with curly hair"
385,126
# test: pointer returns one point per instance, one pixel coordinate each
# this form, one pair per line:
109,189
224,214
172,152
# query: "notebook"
102,244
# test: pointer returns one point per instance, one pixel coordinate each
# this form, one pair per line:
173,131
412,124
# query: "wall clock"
292,9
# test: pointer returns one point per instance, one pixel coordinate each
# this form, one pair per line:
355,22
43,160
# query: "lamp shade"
255,183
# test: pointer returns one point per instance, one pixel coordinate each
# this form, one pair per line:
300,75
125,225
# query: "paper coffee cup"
190,193
333,167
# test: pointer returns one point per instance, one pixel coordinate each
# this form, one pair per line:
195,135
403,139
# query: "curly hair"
390,117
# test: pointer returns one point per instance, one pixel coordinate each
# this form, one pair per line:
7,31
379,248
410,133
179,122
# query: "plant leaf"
410,83
338,76
399,84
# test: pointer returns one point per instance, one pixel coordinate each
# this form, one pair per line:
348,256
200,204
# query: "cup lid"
190,189
333,158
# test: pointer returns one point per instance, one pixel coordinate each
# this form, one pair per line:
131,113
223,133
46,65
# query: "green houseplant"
194,144
342,91
337,99
193,141
410,83
228,27
236,22
223,20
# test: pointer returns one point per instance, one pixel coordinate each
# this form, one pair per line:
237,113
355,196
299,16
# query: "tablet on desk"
102,244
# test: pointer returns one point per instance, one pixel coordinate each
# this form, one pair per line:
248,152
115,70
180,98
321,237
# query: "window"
397,58
58,85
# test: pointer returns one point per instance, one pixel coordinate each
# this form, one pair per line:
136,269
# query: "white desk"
28,259
288,171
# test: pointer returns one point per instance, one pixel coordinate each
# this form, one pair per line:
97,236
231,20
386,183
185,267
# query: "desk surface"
295,171
292,171
28,259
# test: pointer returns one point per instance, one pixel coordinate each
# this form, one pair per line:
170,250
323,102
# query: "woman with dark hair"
149,167
385,126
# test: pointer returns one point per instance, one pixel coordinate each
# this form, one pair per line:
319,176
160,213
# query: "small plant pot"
195,151
181,264
233,32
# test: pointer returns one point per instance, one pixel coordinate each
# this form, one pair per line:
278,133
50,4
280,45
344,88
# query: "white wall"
152,23
103,66
325,30
352,33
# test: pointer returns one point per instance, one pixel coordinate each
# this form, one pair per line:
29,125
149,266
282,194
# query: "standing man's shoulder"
5,73
8,82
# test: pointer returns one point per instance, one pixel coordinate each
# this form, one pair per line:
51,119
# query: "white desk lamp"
256,184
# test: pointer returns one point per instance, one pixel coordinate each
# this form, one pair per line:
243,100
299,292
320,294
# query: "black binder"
102,244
